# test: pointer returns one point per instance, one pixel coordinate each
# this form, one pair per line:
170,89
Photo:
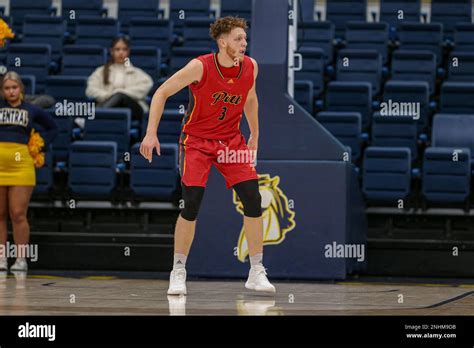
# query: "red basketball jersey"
216,103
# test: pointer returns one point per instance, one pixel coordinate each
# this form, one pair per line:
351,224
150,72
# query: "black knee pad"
250,196
192,196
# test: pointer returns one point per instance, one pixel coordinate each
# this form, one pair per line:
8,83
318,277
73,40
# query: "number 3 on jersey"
222,116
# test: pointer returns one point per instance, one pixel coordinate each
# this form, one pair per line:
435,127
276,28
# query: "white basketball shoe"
20,265
258,280
177,282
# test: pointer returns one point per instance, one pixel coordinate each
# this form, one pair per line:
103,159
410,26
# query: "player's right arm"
192,72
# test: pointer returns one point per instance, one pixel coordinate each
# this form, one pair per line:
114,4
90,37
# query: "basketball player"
221,87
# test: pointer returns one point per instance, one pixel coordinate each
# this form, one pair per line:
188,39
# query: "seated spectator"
118,83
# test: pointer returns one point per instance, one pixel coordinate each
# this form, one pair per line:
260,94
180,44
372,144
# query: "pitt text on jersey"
226,98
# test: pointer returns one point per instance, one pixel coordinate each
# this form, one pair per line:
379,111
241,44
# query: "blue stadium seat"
128,9
147,58
386,174
82,60
363,35
63,140
196,33
457,98
410,92
317,35
454,131
445,180
96,31
72,10
313,68
395,131
346,127
70,88
360,66
414,66
461,66
304,94
350,97
182,55
170,126
83,8
449,13
464,37
30,84
92,168
396,12
152,32
158,179
45,29
34,59
20,8
240,8
110,125
44,176
342,11
180,10
178,101
420,37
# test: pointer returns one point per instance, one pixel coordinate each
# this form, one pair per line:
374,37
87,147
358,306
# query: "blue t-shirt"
16,123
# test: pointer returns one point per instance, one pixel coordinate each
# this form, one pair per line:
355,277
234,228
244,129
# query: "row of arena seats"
93,173
445,174
376,36
365,56
354,118
99,31
394,12
364,66
37,27
127,9
109,125
80,61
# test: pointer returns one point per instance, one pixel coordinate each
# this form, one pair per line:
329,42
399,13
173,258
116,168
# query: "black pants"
121,100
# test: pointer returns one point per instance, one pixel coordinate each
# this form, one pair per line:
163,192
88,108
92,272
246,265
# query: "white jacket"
129,80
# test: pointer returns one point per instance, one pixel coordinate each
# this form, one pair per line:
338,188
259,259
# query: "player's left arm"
251,110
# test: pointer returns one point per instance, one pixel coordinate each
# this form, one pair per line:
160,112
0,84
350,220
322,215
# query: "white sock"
257,259
179,261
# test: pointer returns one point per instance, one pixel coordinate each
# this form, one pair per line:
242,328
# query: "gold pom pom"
5,32
35,147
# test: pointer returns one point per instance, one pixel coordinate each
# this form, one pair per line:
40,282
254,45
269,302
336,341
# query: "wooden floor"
45,295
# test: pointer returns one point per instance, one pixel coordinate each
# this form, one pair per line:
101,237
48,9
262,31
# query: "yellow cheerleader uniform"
17,166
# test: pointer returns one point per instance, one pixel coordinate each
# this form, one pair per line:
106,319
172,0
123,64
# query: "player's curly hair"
225,25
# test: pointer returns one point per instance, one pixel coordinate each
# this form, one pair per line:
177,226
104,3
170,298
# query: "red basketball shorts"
231,157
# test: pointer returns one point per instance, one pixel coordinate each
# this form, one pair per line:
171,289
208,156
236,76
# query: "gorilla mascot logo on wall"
278,218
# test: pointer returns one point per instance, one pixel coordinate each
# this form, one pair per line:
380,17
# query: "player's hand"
253,143
253,146
149,143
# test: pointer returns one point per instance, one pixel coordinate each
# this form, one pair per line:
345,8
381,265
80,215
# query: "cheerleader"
17,166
